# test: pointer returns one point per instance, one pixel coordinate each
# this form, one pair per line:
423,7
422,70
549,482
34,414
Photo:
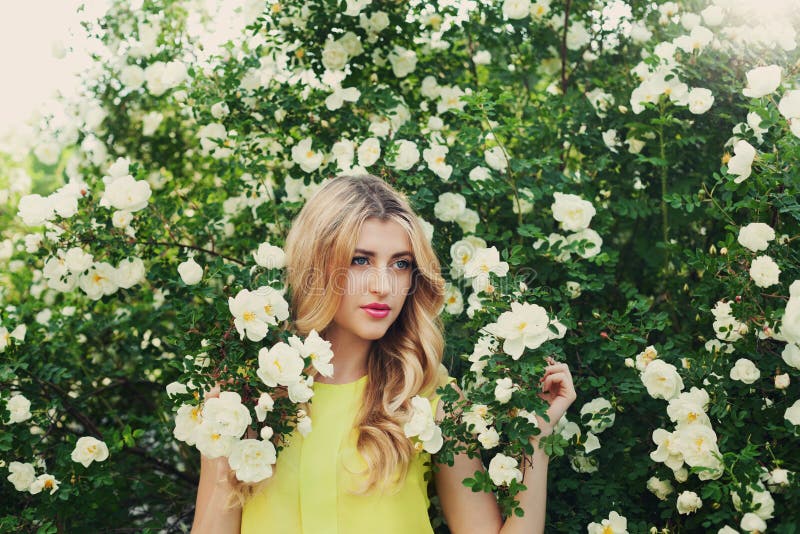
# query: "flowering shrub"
609,183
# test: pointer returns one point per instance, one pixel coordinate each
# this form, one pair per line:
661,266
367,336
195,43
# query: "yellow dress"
309,491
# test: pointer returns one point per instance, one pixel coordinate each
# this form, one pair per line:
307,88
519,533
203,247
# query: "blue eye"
357,258
405,264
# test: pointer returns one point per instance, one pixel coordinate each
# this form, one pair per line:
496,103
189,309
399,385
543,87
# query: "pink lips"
377,310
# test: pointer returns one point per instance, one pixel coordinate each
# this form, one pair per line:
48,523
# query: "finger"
558,379
556,368
213,392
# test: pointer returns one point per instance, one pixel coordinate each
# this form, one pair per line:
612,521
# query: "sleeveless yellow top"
309,492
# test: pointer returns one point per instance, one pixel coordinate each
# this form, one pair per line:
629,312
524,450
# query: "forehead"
383,237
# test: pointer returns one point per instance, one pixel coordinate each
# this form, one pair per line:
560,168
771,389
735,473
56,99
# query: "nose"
380,282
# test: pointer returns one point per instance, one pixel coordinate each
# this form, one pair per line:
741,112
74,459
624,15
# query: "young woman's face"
378,280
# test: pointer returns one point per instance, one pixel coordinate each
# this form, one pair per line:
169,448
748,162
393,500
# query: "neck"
349,360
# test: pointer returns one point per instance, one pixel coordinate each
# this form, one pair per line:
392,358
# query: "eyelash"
408,263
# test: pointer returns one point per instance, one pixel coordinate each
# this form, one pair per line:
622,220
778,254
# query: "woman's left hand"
558,391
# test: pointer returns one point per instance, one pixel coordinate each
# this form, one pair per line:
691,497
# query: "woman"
363,274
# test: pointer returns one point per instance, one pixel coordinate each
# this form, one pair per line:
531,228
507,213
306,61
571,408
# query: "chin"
372,334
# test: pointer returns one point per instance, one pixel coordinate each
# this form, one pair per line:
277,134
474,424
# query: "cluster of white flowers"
574,214
661,74
254,311
693,442
36,209
217,427
162,76
452,207
759,498
525,326
615,524
23,477
421,425
75,267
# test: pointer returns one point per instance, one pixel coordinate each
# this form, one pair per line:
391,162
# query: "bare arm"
212,514
470,512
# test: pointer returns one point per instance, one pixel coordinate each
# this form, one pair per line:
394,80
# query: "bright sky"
31,75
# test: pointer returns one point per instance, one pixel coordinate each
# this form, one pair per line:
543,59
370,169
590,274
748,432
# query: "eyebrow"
395,255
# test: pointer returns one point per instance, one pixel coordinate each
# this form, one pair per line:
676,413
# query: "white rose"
740,165
132,76
89,449
219,110
369,151
791,355
449,206
503,469
127,193
270,256
688,502
453,299
756,236
35,209
22,475
573,212
280,364
516,9
227,414
662,380
700,100
129,272
252,460
790,324
303,155
745,371
525,325
190,272
752,523
403,61
20,409
496,158
479,174
601,414
334,55
762,81
789,106
435,157
764,271
615,524
592,248
99,280
489,438
792,413
504,389
660,488
44,482
407,155
264,405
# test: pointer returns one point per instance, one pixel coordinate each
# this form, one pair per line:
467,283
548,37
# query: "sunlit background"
33,34
43,50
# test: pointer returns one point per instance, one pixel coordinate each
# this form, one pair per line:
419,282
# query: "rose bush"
609,183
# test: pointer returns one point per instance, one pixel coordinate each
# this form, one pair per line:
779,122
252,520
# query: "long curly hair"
406,361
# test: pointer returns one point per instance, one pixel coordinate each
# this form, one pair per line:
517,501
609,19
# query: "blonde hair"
406,361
